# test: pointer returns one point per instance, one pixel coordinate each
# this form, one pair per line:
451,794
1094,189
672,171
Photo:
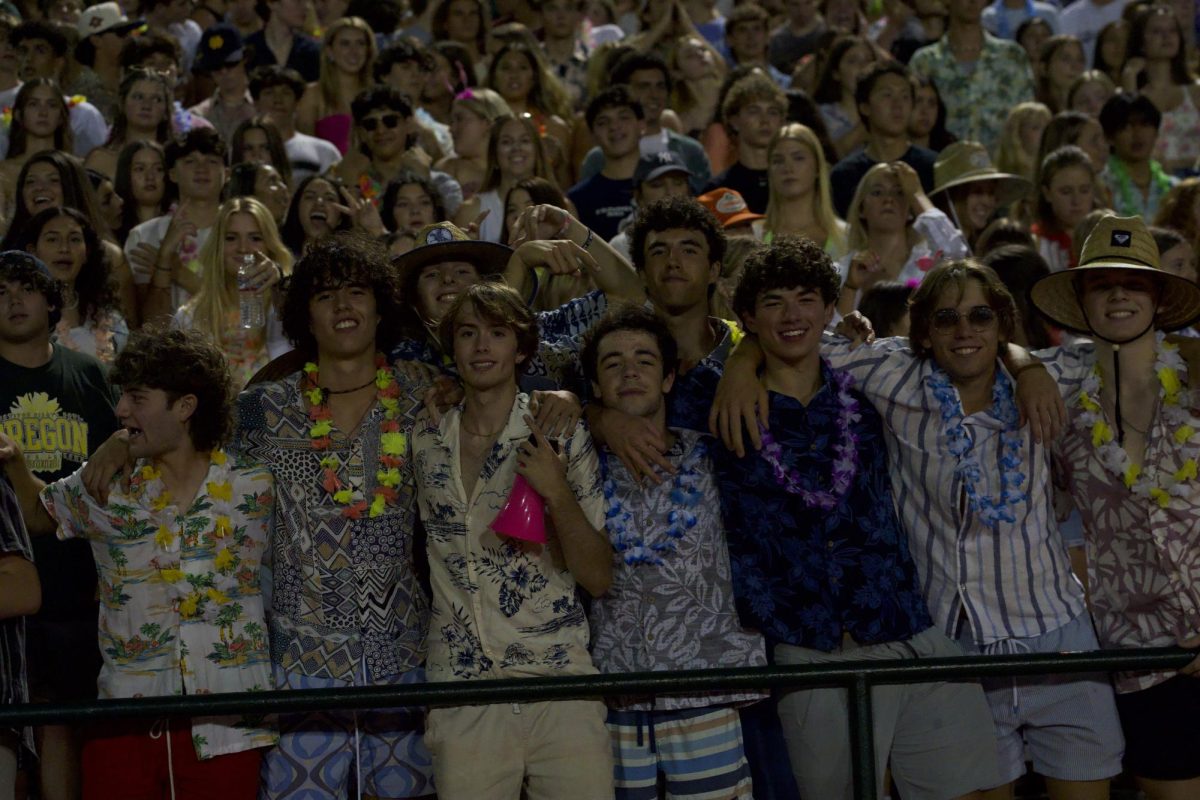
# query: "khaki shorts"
938,736
551,750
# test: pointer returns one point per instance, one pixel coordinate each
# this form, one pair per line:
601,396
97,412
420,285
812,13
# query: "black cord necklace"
347,391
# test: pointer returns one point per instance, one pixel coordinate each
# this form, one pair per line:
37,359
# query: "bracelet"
1033,365
587,242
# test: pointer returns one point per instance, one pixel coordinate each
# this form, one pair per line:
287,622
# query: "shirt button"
962,587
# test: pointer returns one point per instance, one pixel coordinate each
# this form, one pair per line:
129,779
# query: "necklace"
359,388
845,462
991,510
1151,481
392,442
630,540
1129,202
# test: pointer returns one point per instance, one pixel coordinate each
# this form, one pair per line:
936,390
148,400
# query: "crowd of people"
373,343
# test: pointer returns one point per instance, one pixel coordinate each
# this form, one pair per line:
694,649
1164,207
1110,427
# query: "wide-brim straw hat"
445,241
963,163
1124,244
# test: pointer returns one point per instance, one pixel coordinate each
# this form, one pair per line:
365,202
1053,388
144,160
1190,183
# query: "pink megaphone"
524,515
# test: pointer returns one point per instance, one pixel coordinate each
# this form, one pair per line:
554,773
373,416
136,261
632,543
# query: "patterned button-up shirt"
677,614
346,603
1011,581
181,610
804,576
1143,560
502,608
692,395
978,96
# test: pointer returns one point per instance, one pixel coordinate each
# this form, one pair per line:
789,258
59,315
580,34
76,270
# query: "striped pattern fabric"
1013,581
698,751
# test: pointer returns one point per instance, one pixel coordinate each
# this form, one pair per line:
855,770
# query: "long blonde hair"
823,211
327,80
856,238
1011,155
211,305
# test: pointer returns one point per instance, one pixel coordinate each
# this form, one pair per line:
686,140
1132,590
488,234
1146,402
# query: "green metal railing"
857,677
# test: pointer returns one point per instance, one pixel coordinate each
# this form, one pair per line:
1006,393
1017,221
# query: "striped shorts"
698,751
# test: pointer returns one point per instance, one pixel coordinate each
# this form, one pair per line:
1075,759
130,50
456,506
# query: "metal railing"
857,677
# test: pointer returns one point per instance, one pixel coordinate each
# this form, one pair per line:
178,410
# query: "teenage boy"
282,39
836,582
103,30
1135,180
48,388
1129,455
405,66
885,99
670,559
967,476
170,18
178,555
615,120
657,177
565,46
648,80
752,113
978,76
42,51
222,57
505,607
347,608
277,91
746,40
162,251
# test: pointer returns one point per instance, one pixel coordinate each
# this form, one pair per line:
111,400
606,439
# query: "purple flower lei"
845,462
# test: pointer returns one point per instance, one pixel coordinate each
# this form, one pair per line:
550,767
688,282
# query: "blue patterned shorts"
318,752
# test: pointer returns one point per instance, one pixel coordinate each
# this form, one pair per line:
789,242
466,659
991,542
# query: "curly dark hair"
342,258
789,263
400,51
628,317
613,97
954,274
274,75
17,266
498,303
181,362
138,49
629,63
94,285
387,208
675,212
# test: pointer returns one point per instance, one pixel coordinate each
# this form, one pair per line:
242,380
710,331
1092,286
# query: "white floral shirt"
181,611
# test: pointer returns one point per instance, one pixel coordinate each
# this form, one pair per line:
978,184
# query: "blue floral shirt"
804,576
692,395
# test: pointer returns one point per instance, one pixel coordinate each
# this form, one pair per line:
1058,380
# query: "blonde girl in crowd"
799,197
471,119
519,74
698,72
347,58
243,234
514,152
1018,147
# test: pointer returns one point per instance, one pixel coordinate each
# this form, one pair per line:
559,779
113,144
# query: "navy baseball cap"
651,166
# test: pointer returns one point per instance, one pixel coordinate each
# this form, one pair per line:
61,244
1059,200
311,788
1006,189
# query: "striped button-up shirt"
1011,581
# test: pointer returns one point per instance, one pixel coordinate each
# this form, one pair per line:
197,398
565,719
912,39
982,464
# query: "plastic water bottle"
252,314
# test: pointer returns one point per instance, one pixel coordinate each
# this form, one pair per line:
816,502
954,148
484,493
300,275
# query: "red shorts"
129,761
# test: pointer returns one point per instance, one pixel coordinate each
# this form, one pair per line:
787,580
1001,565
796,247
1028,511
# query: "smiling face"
384,130
975,203
965,353
147,177
515,151
630,373
677,269
514,77
439,285
617,130
42,187
317,213
1119,305
343,320
349,50
242,238
62,248
788,324
792,169
649,87
1069,193
156,426
486,353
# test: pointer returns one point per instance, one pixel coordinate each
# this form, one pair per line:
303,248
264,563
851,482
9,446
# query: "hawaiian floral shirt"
181,610
677,613
502,608
978,96
804,576
692,395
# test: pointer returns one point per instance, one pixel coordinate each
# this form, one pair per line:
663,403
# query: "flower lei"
1129,203
197,595
1155,484
685,495
992,510
845,462
392,443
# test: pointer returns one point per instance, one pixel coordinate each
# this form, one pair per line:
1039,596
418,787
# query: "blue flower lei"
992,510
685,495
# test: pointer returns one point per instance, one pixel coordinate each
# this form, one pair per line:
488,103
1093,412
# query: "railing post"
862,737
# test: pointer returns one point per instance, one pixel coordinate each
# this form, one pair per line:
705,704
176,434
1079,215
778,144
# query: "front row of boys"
819,561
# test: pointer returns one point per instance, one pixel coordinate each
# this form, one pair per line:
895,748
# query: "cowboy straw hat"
968,162
445,241
1116,243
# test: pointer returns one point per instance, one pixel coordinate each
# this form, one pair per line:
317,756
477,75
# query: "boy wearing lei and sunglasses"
1129,457
820,562
347,608
974,492
508,607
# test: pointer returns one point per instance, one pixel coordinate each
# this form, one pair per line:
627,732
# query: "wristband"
587,242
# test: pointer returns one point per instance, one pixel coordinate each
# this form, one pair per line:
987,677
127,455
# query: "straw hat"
968,162
1117,243
445,241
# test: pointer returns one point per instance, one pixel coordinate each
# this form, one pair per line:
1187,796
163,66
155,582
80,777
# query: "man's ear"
185,406
668,382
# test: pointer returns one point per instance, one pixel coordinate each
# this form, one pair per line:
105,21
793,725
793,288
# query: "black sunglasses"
979,318
390,121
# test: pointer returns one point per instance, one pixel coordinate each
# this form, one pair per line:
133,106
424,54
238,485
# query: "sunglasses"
390,121
979,318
